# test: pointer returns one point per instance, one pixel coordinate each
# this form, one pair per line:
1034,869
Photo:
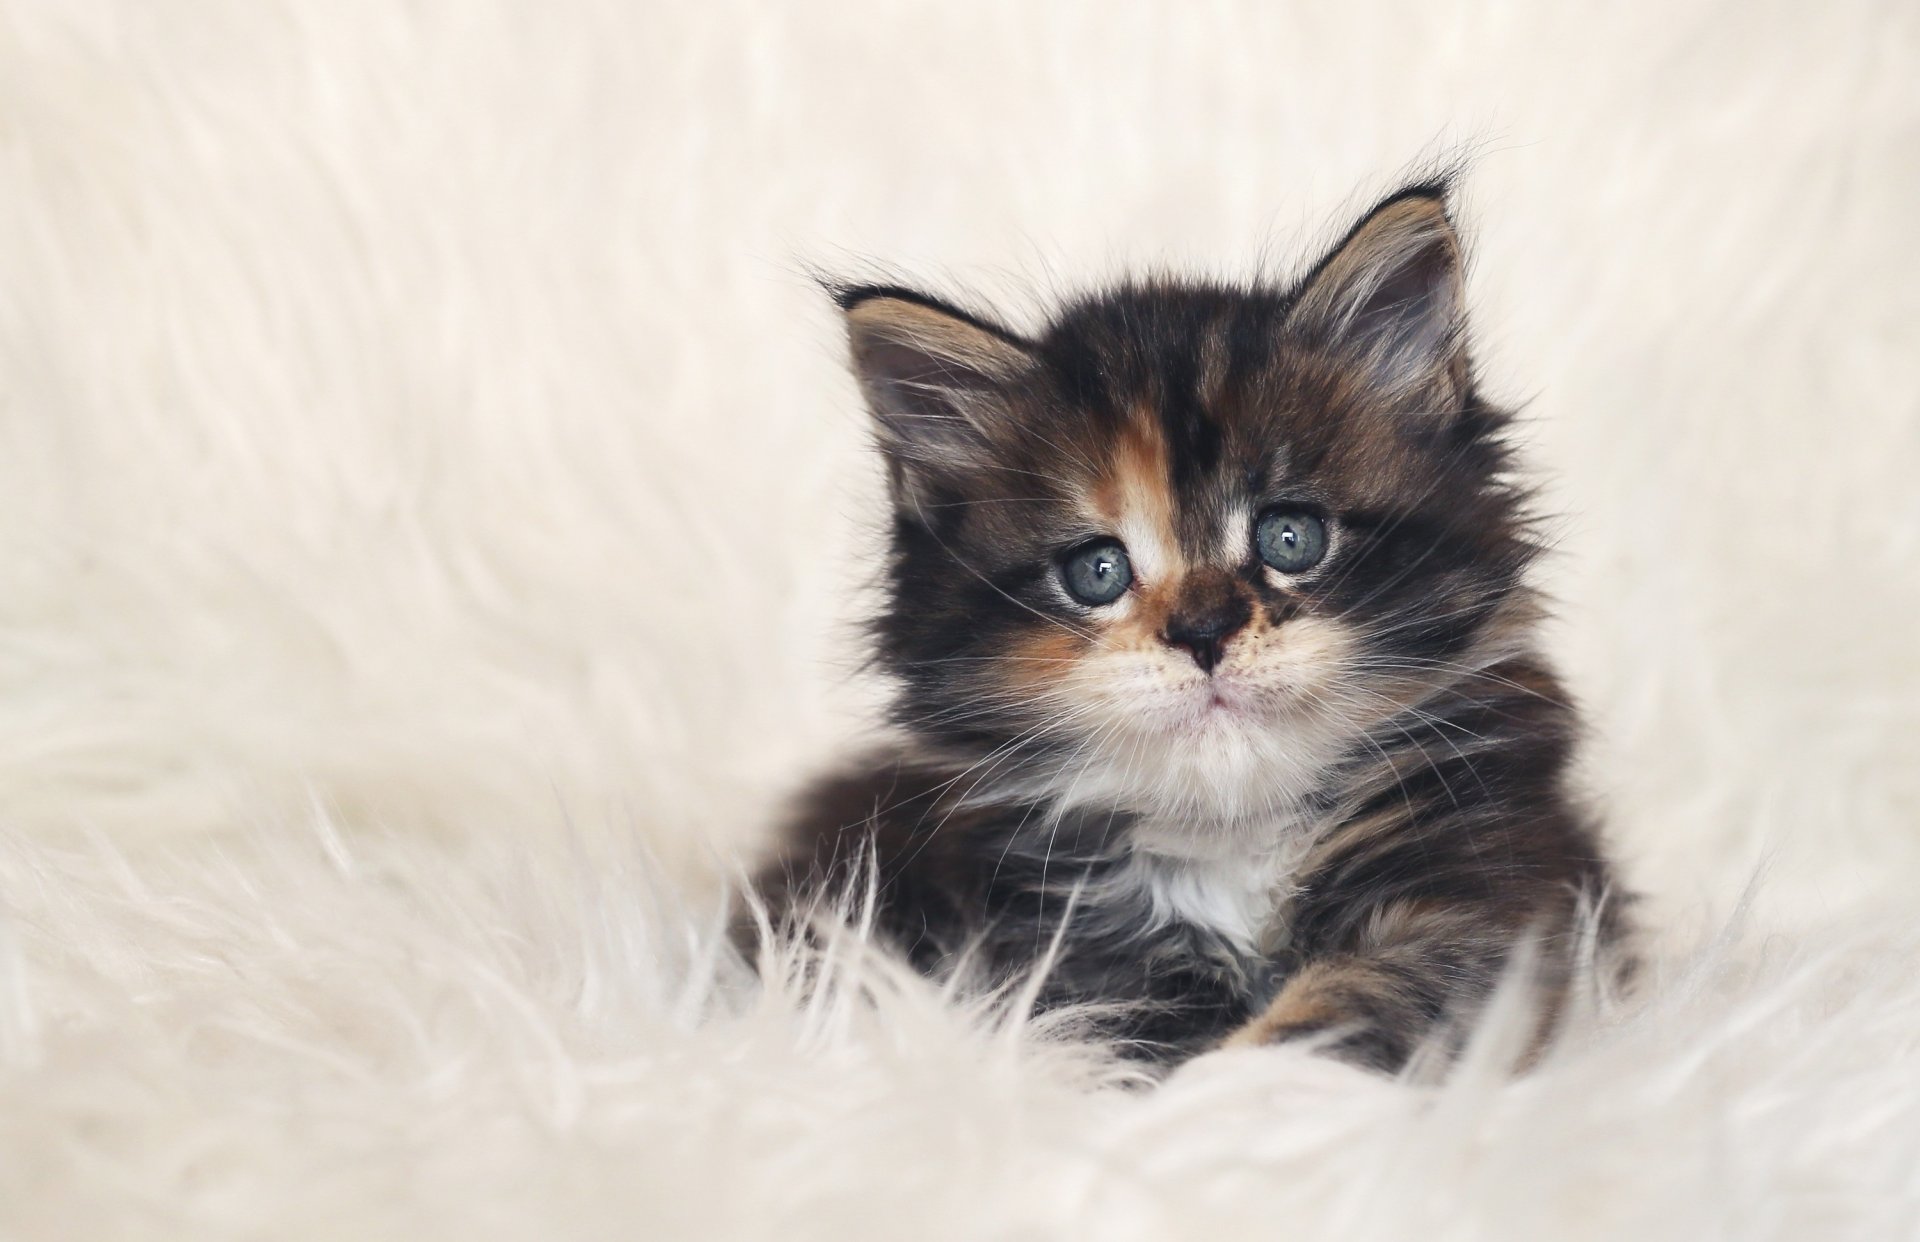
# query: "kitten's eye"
1291,540
1097,573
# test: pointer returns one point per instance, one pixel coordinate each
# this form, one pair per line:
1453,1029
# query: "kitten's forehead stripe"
1216,358
1134,496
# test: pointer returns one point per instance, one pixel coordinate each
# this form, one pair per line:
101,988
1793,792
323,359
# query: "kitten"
1216,670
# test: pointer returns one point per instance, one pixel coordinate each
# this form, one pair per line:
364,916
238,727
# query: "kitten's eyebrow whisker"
1406,507
1404,572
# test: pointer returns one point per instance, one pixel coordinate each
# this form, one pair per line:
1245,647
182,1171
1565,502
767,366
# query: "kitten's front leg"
1416,969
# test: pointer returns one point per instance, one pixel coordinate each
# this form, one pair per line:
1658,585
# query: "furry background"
431,508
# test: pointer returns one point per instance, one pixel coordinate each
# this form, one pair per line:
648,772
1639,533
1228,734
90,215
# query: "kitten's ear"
935,378
1392,296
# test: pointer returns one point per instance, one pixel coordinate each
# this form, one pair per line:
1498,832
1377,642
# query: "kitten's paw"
1342,1010
1353,1040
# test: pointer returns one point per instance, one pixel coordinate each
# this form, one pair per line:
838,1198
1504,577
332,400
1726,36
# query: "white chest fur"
1234,886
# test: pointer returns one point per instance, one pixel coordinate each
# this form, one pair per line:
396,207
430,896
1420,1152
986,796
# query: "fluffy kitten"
1215,661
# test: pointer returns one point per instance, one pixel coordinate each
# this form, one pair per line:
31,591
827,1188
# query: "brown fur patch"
1310,1002
1382,827
1395,230
1035,662
1133,498
1136,492
1143,626
939,335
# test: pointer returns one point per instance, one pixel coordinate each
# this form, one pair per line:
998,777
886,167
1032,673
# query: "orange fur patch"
1134,499
1309,1001
939,334
1137,489
1035,662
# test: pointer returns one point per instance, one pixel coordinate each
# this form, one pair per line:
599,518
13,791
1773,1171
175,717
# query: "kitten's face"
1185,550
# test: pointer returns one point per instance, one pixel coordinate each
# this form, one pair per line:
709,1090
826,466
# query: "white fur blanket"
431,504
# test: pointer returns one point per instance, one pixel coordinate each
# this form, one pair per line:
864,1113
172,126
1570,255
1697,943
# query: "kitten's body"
1251,794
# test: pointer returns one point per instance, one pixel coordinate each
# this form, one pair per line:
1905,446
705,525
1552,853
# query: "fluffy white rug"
430,505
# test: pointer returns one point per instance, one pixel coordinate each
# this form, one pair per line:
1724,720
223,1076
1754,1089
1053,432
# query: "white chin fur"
1204,754
1213,773
1220,795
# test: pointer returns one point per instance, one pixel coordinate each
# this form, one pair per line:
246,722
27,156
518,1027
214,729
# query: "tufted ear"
1391,296
935,378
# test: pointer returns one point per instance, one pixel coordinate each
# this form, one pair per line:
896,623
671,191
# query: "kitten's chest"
1235,888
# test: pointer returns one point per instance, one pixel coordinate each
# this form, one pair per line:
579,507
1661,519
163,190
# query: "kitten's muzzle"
1205,630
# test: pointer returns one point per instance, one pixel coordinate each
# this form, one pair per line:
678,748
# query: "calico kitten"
1216,668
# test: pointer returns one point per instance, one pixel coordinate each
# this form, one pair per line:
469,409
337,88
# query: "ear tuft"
935,378
1392,296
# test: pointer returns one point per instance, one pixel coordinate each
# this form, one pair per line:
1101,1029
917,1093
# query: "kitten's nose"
1204,633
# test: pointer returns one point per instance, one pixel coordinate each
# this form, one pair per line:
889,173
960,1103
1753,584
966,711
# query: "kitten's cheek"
1122,690
1314,650
1042,666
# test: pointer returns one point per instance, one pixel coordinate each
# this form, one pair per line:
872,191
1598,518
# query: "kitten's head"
1183,550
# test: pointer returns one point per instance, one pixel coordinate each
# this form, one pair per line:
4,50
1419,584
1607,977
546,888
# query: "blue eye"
1291,540
1097,573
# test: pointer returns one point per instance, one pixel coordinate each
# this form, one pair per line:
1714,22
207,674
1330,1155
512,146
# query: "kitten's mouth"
1227,701
1214,705
1217,702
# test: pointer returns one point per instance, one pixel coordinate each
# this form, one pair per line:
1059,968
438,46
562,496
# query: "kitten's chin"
1219,759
